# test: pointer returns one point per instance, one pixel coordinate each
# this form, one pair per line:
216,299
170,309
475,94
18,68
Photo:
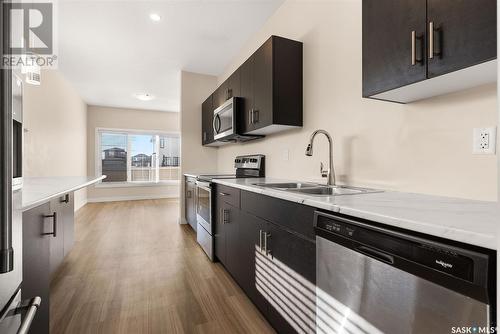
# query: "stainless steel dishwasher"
371,279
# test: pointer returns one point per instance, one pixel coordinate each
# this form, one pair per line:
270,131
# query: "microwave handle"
216,121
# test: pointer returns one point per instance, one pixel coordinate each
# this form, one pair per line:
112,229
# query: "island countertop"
468,221
39,190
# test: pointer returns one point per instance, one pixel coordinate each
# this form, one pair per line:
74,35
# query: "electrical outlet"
484,141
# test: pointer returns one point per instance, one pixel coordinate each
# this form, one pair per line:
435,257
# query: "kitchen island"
48,213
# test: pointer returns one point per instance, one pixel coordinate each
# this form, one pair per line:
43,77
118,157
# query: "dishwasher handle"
376,254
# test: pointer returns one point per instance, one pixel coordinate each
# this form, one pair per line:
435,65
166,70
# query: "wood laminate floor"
133,269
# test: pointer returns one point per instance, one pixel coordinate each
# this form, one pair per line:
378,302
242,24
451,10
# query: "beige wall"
56,123
420,147
195,88
116,118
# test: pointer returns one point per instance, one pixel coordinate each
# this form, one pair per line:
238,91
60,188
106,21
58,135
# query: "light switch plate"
484,140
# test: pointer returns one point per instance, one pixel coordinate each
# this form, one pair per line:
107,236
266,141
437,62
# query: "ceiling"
111,50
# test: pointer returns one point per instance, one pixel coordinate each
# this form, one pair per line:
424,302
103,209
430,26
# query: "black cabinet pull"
54,224
66,199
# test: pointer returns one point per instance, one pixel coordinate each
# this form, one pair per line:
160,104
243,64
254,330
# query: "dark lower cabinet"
63,226
251,234
227,222
290,276
36,262
189,201
48,236
273,264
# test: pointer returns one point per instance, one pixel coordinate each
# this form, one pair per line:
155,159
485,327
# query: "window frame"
98,158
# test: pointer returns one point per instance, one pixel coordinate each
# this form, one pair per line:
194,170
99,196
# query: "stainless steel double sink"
315,189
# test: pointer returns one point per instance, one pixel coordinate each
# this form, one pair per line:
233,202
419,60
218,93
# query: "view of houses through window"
131,156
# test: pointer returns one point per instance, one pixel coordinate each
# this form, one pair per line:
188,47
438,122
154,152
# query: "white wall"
195,88
420,147
131,119
56,137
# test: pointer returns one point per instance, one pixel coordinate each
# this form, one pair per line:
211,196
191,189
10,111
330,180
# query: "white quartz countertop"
467,221
39,190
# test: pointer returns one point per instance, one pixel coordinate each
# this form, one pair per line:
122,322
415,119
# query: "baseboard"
129,198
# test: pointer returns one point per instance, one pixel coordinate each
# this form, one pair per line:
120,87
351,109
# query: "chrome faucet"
330,172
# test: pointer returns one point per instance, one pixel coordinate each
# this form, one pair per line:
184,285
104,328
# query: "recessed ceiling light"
144,96
155,17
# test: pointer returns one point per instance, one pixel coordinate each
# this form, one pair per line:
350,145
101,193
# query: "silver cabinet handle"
431,40
250,116
189,194
224,194
266,235
260,240
30,315
413,48
54,224
255,118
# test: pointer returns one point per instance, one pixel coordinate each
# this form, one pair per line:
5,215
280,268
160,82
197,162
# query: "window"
137,157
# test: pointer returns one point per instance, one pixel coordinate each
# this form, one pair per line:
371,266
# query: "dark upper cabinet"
271,84
412,49
220,95
207,114
387,51
36,262
233,85
246,90
465,34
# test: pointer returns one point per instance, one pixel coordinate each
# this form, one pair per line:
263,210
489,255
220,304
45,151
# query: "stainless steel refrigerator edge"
15,315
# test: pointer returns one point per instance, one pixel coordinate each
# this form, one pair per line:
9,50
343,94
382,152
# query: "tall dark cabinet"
412,47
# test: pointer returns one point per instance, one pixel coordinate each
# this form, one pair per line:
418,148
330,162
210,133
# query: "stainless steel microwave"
227,122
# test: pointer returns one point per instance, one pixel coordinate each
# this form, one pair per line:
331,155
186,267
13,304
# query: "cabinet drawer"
292,216
229,195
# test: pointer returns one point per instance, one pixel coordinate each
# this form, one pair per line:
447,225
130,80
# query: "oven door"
204,205
224,121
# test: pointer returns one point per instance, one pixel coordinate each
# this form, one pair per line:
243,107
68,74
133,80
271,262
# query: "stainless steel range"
247,166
